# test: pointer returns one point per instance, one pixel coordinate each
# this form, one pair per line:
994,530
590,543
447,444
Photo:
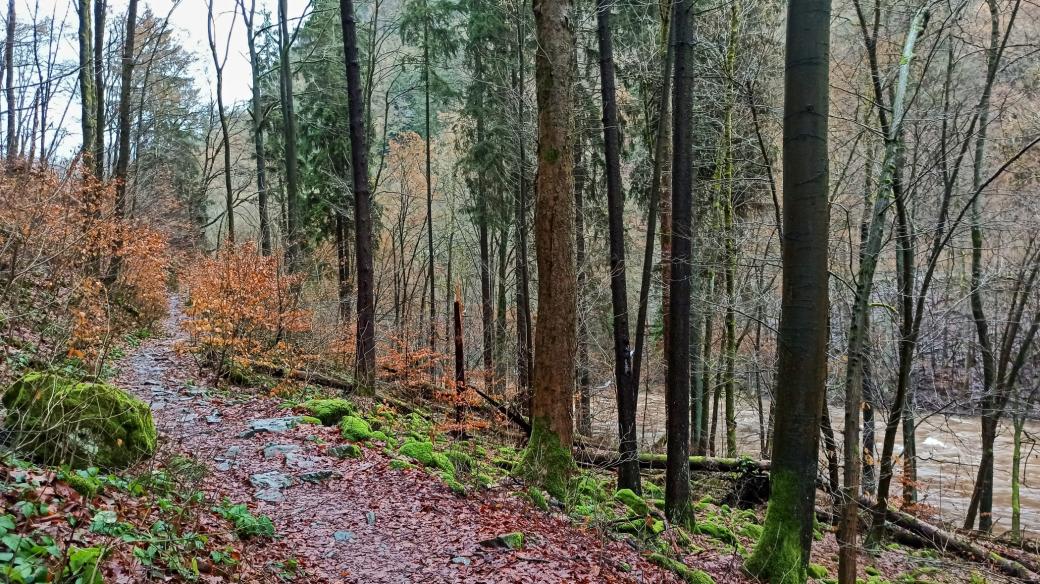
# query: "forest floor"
355,519
242,490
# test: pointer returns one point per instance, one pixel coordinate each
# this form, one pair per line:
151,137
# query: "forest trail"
354,520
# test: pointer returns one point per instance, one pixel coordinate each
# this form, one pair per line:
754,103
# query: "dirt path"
359,520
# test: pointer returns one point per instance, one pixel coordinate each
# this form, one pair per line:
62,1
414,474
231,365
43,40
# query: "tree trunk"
431,274
366,324
225,134
259,151
582,369
782,553
677,398
292,236
12,130
524,352
460,358
88,107
547,460
624,379
99,89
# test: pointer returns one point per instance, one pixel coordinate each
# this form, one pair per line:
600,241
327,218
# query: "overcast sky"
188,20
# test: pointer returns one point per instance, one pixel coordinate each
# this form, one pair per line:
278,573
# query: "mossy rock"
398,464
513,541
55,420
871,571
423,453
817,571
346,451
716,531
355,429
329,411
634,502
688,574
87,486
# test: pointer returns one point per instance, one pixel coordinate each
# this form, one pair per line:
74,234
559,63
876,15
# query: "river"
948,448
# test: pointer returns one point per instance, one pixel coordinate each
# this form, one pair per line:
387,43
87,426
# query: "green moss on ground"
546,463
346,451
355,429
55,420
691,575
778,556
329,411
634,502
423,453
817,571
537,498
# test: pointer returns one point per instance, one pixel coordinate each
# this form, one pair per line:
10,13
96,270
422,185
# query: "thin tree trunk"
292,236
99,89
431,274
582,369
88,107
366,324
259,152
225,134
677,398
625,381
12,129
524,328
123,157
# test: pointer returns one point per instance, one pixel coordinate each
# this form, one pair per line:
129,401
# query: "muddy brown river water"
948,449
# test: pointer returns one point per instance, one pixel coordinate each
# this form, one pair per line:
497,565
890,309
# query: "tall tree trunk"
782,553
99,88
524,349
88,107
126,80
729,236
980,502
259,152
225,134
582,369
12,129
500,311
625,381
292,237
661,139
677,398
547,460
366,323
431,274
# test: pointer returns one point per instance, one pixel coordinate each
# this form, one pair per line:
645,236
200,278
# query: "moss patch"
423,453
546,463
329,411
355,429
634,502
56,420
817,571
346,451
778,556
691,575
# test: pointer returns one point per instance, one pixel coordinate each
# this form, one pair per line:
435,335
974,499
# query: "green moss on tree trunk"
778,557
546,463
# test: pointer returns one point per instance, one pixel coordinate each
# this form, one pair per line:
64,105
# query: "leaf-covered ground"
357,519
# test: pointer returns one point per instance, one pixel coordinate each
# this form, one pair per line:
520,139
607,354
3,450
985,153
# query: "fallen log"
507,411
945,541
609,459
312,377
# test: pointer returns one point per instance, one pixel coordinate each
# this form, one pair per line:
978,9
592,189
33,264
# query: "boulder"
55,420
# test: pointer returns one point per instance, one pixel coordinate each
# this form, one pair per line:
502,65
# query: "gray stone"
273,450
319,476
273,425
371,517
461,560
270,484
344,536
